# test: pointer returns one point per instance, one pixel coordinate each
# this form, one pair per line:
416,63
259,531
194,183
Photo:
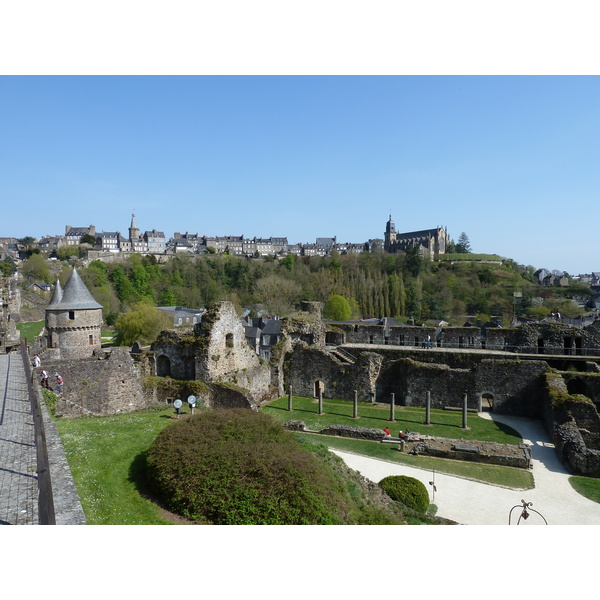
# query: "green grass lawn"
107,459
586,486
30,330
444,423
492,474
107,454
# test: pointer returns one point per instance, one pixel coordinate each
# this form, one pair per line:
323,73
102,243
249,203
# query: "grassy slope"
111,496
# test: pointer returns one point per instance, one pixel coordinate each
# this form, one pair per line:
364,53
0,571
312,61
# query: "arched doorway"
163,366
319,387
487,402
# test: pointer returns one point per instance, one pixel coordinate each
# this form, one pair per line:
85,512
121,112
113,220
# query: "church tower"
134,232
390,235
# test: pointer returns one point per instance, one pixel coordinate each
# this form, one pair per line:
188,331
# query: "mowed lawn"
444,423
107,459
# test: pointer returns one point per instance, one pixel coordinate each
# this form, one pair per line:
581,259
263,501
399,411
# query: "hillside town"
110,245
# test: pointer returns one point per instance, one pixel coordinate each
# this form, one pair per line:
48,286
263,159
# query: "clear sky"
511,161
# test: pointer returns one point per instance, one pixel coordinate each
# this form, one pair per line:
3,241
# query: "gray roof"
75,296
57,295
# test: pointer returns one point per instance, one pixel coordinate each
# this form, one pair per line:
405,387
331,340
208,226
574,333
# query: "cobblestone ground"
18,459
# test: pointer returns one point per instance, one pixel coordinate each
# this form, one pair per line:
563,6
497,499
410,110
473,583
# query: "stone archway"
163,366
319,387
486,402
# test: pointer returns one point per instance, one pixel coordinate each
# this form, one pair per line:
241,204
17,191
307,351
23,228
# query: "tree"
86,238
36,269
337,308
463,246
142,323
277,293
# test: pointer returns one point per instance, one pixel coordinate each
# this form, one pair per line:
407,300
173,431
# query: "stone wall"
107,385
311,367
575,427
516,387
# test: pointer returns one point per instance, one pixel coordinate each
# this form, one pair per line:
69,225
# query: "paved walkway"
18,456
18,459
472,503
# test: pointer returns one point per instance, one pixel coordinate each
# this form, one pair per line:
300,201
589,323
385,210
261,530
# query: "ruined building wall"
107,386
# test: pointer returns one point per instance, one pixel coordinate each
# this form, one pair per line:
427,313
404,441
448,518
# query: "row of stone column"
392,407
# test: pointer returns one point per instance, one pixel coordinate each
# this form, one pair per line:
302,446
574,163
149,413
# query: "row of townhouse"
272,246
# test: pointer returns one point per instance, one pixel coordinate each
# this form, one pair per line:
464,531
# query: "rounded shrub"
408,490
235,467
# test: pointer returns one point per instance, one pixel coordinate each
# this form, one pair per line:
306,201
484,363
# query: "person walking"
44,380
59,383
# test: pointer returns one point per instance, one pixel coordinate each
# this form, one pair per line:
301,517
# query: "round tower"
73,320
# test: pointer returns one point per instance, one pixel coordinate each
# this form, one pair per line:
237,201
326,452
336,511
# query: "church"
430,242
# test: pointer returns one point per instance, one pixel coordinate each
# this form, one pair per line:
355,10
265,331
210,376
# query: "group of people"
44,381
401,435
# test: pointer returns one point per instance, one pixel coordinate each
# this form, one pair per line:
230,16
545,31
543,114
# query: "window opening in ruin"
540,346
163,366
72,315
386,340
416,340
91,340
461,341
370,339
576,386
402,340
568,345
578,347
229,340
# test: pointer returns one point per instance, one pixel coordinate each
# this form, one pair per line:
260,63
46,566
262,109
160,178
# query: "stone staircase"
342,355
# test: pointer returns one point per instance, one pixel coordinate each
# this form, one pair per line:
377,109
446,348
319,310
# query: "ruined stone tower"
73,321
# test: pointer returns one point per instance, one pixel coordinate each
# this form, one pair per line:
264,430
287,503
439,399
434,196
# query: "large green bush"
239,467
408,490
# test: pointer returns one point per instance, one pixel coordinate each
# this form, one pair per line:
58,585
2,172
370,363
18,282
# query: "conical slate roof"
56,295
75,296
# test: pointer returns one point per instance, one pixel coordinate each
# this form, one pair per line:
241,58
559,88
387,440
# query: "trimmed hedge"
236,467
408,490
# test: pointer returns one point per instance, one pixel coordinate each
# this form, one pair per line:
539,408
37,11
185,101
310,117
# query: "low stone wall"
357,433
509,455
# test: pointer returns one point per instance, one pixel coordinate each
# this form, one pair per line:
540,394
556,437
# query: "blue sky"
511,161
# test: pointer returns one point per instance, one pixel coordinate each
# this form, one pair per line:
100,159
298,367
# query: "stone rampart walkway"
18,458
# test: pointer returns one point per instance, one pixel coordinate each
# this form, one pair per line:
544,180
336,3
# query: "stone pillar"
428,409
355,404
392,407
320,401
464,423
290,398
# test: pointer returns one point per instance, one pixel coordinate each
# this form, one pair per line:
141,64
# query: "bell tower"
390,235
